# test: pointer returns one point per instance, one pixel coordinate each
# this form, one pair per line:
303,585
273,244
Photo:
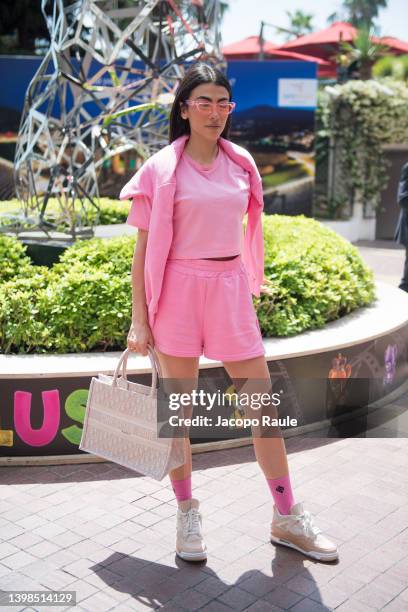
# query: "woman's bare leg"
184,374
270,451
182,377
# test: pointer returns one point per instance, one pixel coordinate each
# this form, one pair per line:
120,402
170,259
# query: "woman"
207,185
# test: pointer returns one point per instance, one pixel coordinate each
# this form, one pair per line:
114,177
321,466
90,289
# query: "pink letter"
51,419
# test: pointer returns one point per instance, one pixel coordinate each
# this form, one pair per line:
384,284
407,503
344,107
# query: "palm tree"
360,13
362,51
300,24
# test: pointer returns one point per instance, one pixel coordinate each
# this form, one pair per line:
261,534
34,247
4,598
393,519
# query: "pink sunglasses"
206,107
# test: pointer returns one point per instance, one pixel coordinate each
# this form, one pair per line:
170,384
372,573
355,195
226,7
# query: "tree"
300,24
362,52
360,13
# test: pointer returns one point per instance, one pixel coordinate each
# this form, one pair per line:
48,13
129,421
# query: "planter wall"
355,228
322,376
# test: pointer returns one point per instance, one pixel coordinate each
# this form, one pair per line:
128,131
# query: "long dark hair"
198,74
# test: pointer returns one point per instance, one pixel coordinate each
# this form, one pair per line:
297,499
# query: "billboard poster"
273,119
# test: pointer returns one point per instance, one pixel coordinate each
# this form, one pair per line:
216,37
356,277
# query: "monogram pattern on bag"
130,453
121,425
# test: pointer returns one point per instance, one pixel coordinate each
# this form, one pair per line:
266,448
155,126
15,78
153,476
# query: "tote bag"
121,423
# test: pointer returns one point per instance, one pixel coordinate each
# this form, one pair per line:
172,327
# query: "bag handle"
156,369
153,360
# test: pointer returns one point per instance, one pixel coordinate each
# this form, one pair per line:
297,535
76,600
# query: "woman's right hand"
139,337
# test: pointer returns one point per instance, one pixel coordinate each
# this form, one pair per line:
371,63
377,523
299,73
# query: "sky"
243,18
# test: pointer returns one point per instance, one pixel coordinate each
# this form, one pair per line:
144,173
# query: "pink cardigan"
156,180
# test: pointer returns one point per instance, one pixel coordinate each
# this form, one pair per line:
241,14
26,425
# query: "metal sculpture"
80,106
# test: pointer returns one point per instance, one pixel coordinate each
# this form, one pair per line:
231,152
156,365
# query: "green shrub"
13,259
315,276
80,310
111,211
23,327
87,309
83,303
114,254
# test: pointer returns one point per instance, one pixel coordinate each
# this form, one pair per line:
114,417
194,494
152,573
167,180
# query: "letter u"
22,422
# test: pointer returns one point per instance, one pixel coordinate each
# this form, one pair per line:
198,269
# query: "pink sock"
282,493
182,488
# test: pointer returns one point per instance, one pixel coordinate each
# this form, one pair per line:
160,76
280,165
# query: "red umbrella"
275,52
249,48
325,42
249,45
397,47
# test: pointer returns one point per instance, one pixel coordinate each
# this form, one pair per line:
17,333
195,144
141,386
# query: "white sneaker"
297,530
190,545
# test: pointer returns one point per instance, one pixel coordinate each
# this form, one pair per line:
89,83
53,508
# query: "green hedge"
316,276
111,210
13,260
83,303
114,254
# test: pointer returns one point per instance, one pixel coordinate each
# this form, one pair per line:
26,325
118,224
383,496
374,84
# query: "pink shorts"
205,306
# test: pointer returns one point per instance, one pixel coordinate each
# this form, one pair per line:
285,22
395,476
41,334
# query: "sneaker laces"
192,519
308,526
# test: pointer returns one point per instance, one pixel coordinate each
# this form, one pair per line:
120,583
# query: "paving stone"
237,598
111,534
300,584
12,531
329,595
57,580
282,597
18,581
61,558
43,549
262,606
258,583
374,595
217,606
80,568
102,577
127,586
212,586
49,530
8,549
18,560
191,600
309,605
100,601
353,605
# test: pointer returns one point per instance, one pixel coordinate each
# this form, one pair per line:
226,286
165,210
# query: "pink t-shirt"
210,203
